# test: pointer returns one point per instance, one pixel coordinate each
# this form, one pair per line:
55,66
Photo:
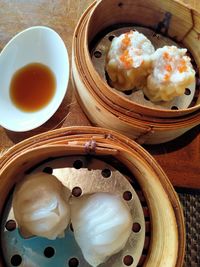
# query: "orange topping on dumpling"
182,67
168,67
166,77
128,63
124,56
166,56
126,41
126,59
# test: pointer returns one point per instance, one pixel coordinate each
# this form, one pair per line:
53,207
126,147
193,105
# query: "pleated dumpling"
129,60
102,225
41,206
172,72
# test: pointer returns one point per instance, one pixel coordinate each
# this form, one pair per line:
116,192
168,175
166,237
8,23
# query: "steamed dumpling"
102,225
172,72
41,206
129,60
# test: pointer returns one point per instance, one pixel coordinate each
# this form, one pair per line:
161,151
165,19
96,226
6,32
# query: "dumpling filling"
129,60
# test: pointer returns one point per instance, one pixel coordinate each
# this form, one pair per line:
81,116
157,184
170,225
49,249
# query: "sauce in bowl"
32,87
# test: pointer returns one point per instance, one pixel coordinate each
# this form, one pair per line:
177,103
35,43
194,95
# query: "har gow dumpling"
129,60
41,206
102,224
172,72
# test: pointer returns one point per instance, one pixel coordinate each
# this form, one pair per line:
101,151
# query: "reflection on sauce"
32,87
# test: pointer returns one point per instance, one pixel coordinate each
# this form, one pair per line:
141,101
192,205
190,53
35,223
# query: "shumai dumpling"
129,60
41,206
172,72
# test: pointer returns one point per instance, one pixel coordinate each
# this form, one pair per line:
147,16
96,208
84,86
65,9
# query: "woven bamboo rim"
106,108
167,244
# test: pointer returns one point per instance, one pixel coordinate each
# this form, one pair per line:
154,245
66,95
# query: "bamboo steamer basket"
166,233
106,108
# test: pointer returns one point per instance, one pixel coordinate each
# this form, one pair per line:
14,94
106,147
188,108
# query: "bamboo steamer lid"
106,108
166,233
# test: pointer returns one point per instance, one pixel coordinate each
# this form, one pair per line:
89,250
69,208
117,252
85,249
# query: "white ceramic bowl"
36,44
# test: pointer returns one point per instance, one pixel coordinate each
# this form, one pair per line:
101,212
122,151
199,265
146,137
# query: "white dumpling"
102,225
41,206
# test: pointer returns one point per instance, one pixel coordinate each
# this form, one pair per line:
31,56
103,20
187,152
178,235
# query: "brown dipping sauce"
32,87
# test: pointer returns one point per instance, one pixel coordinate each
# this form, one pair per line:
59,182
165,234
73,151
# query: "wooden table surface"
180,159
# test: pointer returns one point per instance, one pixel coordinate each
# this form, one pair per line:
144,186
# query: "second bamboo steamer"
94,159
141,121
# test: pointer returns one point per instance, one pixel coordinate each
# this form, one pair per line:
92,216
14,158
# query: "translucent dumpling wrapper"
129,60
102,224
41,206
172,72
